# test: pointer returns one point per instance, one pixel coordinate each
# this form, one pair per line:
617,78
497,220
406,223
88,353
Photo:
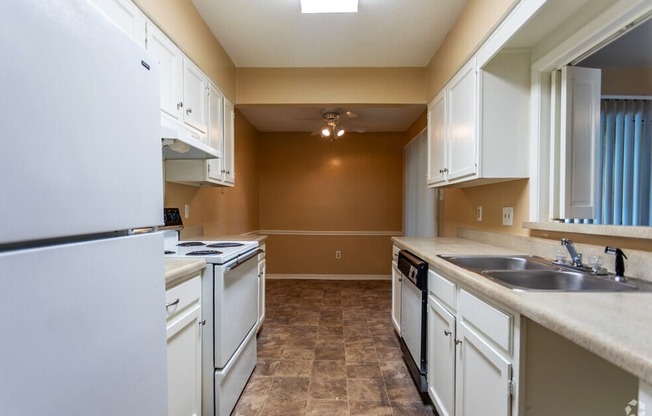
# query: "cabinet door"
261,292
396,298
580,142
437,139
482,377
184,364
195,97
126,16
229,142
462,135
170,59
216,132
441,358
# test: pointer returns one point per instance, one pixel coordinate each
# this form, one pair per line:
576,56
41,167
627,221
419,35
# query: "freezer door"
83,329
81,147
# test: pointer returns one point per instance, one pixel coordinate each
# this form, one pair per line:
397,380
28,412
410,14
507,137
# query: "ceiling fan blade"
348,114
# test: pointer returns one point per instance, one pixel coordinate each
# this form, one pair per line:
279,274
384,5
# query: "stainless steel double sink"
532,273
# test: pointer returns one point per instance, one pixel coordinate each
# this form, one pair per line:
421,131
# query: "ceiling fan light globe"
325,132
340,133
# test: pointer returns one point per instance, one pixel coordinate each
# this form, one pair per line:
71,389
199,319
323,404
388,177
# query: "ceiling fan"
335,123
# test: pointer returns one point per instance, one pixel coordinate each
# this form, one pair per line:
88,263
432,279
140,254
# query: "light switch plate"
478,213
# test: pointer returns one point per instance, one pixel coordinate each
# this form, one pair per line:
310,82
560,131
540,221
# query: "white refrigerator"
82,319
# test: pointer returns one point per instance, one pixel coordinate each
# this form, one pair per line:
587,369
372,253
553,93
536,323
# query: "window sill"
644,233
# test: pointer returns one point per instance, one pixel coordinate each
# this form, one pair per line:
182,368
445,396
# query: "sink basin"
555,280
480,263
532,273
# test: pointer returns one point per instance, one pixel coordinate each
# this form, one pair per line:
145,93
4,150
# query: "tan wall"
181,22
223,211
331,86
311,184
476,21
458,209
627,81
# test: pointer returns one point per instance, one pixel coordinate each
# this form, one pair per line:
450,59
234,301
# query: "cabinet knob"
458,341
445,170
179,105
223,171
172,303
447,332
202,322
189,110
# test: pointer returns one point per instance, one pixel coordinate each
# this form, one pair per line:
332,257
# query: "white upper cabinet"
171,64
437,139
212,172
195,96
462,104
229,142
478,124
126,16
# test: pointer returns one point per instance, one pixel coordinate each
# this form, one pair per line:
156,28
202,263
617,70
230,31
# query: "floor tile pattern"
328,348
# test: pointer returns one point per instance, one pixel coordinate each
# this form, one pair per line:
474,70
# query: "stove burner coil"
204,253
225,245
190,244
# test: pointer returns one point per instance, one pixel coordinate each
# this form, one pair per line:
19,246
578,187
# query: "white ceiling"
384,33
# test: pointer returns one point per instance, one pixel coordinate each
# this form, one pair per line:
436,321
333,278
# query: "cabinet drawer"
442,289
493,323
261,253
180,297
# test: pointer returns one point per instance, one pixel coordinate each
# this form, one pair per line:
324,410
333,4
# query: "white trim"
331,233
275,276
516,18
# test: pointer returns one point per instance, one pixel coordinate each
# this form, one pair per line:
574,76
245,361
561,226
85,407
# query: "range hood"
180,143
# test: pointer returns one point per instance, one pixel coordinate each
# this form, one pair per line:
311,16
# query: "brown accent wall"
181,22
308,184
222,210
627,81
476,21
331,86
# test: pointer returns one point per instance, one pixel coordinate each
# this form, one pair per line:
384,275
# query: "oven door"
235,305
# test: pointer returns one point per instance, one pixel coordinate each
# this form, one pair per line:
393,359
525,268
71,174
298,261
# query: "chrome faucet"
575,257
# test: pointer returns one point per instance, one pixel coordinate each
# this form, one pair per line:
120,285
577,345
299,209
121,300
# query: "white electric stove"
230,308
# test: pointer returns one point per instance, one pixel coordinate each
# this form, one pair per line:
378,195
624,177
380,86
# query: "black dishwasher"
414,308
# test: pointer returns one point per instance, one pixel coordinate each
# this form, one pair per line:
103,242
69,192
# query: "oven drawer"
182,296
493,323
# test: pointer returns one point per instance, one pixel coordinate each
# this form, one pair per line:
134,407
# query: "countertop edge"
178,271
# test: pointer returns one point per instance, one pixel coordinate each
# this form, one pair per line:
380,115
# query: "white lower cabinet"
184,328
483,377
472,352
441,357
396,297
261,286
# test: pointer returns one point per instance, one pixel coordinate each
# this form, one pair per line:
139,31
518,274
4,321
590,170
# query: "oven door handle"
242,260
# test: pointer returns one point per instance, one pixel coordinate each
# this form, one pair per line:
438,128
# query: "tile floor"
328,348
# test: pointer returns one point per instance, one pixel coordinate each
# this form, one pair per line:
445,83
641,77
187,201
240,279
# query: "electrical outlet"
338,254
508,215
186,211
478,213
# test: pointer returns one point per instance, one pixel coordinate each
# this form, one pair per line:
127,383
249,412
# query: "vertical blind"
624,185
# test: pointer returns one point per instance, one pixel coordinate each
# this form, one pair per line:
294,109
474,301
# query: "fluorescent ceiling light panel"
329,6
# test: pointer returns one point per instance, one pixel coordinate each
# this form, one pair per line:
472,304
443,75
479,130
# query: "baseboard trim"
275,276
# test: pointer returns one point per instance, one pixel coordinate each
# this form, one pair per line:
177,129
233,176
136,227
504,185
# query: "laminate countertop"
616,326
179,270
